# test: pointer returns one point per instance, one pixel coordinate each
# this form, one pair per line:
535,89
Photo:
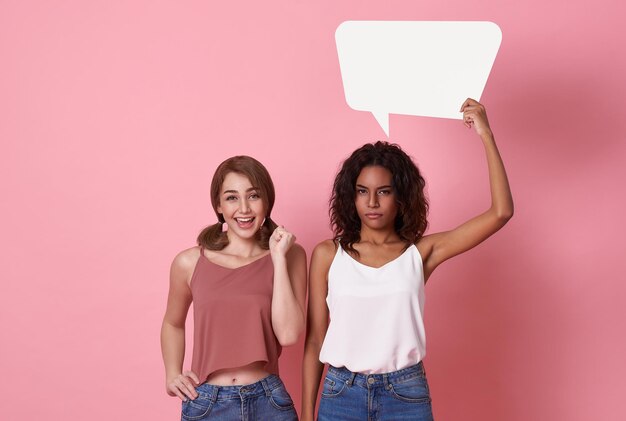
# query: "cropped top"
376,314
232,316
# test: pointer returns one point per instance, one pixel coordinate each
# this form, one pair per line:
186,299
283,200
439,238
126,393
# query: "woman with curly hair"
248,286
369,280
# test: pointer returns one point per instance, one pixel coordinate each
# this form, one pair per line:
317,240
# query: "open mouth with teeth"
245,222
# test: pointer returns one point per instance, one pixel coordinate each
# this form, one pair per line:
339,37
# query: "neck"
378,237
242,247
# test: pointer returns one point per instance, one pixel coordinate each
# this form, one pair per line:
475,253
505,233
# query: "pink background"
114,114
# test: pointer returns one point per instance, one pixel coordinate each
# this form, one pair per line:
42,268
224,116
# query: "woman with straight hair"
369,280
248,286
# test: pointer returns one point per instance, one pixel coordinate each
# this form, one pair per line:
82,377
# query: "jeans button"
371,380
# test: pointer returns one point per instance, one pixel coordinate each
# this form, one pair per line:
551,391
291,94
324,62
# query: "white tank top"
376,314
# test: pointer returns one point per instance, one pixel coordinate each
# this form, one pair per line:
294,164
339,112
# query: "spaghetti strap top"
232,316
376,314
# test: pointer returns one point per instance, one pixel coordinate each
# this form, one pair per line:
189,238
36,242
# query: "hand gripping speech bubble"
419,68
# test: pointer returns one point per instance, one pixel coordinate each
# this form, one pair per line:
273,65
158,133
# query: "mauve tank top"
232,316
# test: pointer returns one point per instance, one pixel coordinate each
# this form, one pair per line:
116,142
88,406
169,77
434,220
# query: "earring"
222,222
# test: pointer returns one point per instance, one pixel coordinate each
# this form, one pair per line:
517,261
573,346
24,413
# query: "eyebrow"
377,188
235,191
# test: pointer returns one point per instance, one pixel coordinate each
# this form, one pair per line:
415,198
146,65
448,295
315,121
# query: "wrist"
486,135
278,258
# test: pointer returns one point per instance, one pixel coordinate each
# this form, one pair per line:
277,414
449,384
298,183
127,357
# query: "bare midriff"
237,376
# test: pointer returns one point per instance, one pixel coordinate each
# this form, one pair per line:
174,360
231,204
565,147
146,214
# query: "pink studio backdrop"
114,114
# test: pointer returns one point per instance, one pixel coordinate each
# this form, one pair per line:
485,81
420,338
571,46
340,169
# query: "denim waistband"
262,387
382,379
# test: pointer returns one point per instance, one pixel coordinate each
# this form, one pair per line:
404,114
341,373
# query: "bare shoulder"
324,252
426,244
185,261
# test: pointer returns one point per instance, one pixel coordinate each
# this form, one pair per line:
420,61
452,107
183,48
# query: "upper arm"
437,248
317,323
179,296
296,267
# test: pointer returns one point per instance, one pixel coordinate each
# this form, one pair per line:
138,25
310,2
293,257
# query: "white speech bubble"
417,68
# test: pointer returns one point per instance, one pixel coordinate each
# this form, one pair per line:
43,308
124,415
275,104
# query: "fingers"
280,232
277,234
468,116
468,102
281,241
193,376
183,387
473,112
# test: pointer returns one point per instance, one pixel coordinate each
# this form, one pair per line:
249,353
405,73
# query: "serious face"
375,198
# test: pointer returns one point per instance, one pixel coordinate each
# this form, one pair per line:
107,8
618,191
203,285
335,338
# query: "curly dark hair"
407,182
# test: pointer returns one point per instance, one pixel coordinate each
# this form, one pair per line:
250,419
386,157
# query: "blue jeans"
399,395
264,400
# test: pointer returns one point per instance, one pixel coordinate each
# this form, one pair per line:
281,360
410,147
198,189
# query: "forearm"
501,198
173,349
312,370
287,314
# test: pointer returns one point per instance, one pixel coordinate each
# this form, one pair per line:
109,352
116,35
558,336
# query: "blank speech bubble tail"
383,120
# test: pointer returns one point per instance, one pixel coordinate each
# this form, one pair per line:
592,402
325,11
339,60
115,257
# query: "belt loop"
266,387
351,380
386,380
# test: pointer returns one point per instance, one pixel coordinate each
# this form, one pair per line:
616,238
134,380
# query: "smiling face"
241,206
375,198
